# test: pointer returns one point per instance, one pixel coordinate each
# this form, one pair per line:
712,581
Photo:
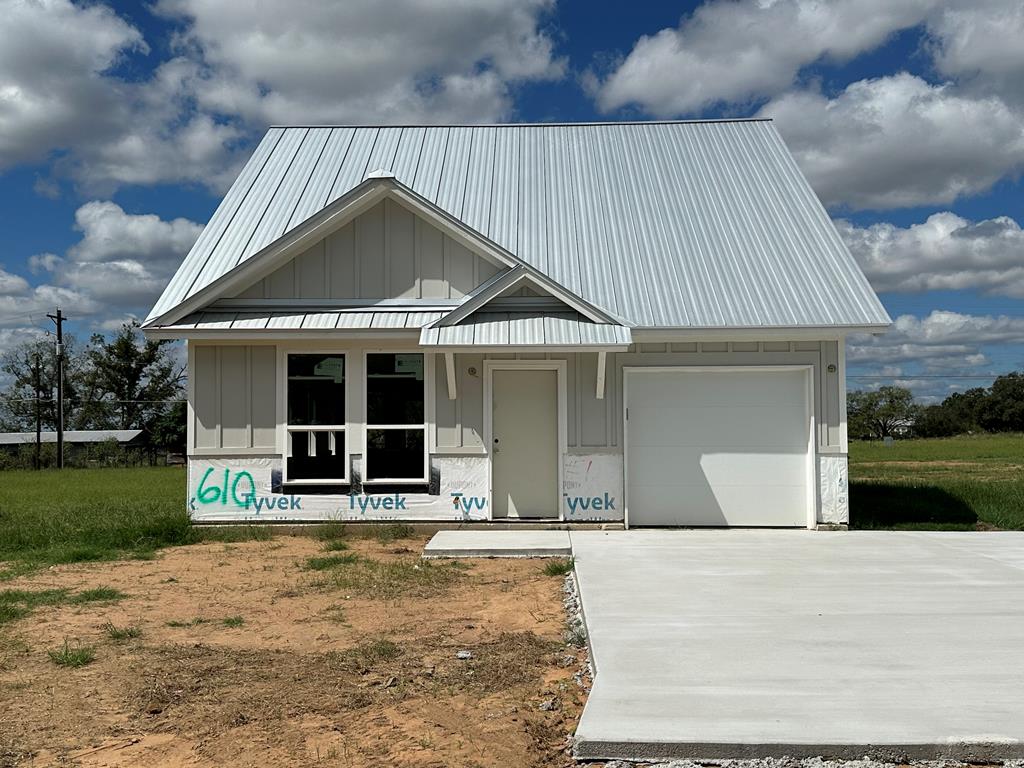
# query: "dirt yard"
288,652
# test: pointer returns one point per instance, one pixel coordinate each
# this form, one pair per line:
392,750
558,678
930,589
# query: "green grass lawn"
955,483
78,515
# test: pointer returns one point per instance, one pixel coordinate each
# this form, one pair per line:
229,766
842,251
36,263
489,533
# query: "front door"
524,443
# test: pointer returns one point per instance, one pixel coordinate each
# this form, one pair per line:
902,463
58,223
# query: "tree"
169,430
883,413
1003,409
937,421
18,406
128,383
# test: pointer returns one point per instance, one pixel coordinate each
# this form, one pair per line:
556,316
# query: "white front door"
524,443
718,447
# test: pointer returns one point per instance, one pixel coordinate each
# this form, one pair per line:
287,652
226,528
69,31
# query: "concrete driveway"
768,643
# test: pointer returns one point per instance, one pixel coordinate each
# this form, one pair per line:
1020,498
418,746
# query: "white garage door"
717,447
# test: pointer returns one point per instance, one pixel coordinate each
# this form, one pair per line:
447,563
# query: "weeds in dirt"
185,624
370,654
97,595
327,562
559,567
233,622
335,545
18,603
117,633
576,636
327,531
67,656
386,534
389,579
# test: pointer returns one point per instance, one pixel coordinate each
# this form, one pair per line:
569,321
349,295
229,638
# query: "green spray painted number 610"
213,493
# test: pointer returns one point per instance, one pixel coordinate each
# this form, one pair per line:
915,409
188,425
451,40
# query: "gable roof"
705,224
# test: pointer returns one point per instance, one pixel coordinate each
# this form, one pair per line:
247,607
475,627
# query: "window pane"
394,389
394,453
316,389
315,456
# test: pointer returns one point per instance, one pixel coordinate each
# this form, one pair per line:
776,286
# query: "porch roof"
527,329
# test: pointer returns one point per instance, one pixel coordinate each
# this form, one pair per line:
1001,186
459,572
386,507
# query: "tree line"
892,412
123,382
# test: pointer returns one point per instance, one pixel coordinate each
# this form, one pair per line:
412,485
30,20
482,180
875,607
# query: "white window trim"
284,428
425,425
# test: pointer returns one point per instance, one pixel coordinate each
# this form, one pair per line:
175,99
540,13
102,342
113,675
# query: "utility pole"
59,319
39,415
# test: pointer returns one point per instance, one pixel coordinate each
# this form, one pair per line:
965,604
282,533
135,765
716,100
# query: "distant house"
81,446
619,322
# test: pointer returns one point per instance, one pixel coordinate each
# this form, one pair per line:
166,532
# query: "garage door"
717,447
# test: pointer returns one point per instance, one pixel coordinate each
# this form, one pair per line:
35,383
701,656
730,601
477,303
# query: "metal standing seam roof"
699,224
293,320
521,329
71,436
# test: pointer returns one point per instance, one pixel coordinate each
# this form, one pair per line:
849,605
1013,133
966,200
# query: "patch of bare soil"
246,657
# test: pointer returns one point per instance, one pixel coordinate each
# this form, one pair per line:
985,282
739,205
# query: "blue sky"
121,124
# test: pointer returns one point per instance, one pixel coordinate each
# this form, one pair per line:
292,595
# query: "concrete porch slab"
498,543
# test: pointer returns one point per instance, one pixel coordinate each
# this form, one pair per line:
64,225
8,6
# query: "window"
396,433
315,424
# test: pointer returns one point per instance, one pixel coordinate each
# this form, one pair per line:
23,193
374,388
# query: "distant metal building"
637,322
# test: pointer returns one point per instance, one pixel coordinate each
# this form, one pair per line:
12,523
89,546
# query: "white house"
619,322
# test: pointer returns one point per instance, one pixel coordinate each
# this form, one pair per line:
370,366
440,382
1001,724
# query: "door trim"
808,370
490,366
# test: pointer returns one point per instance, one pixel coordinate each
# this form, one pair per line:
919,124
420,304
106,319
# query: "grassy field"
99,514
80,515
957,483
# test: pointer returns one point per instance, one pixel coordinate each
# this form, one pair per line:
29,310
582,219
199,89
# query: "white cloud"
899,141
123,260
742,52
116,270
943,342
11,283
54,92
980,43
294,61
945,252
364,61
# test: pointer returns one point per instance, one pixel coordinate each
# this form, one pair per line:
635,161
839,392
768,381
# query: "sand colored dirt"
316,674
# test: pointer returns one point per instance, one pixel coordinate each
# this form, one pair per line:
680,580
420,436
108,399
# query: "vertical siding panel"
448,433
458,268
431,249
234,408
281,283
401,251
593,413
310,278
471,398
485,270
254,291
263,387
341,255
370,253
571,398
830,394
207,399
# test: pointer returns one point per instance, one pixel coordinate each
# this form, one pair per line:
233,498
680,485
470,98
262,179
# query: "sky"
123,123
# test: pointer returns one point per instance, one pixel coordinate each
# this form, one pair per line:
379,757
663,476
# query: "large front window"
315,427
396,433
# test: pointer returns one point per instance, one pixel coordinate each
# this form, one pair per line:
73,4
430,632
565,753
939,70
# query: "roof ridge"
584,124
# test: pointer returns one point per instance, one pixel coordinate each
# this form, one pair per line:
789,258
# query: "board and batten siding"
387,252
233,399
233,392
594,425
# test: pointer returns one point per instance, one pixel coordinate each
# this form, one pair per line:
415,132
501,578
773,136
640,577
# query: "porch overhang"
501,331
